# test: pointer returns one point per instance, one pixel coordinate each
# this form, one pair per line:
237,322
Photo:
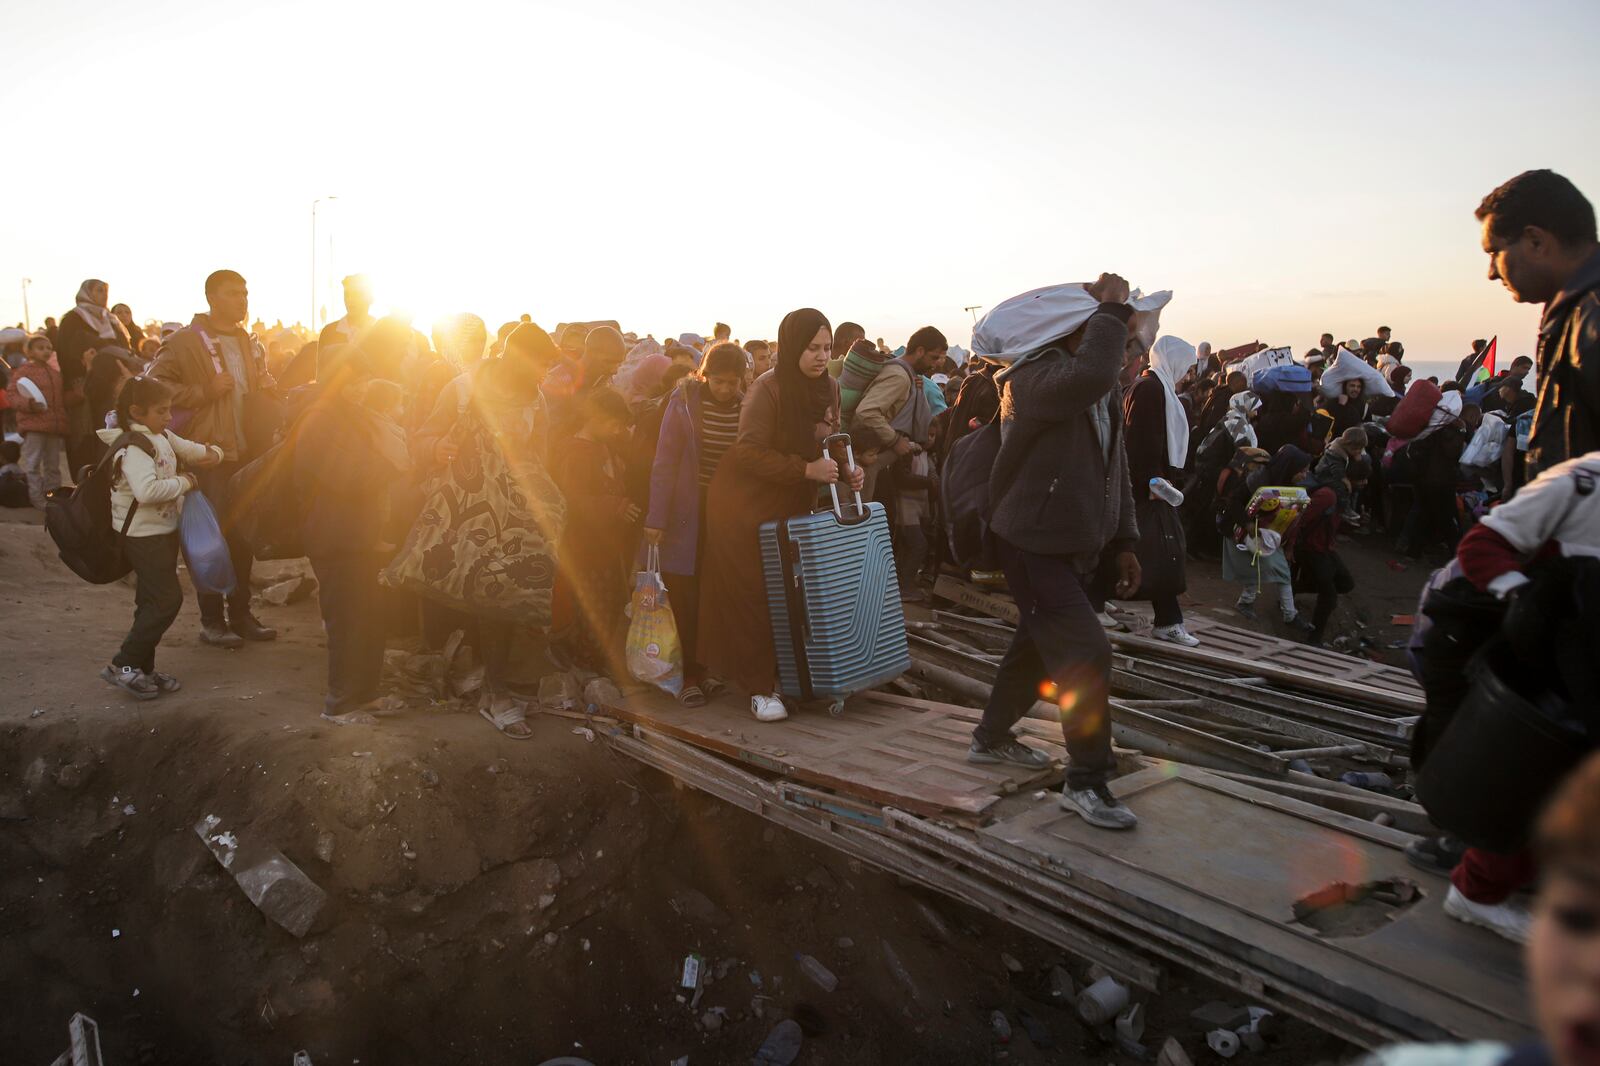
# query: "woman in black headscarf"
772,471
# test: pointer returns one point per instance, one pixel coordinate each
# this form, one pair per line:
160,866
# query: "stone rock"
1010,963
325,845
290,591
34,777
820,879
601,693
697,907
529,883
72,776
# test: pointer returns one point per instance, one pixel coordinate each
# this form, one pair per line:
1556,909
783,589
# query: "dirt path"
493,901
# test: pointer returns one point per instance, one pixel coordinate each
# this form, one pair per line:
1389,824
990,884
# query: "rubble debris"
1010,962
600,694
1220,1015
898,970
277,887
697,907
782,1045
1102,1001
1001,1026
1062,988
559,692
1172,1054
1038,1032
290,590
1225,1042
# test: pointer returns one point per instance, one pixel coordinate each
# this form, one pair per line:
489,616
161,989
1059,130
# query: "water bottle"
1163,489
819,974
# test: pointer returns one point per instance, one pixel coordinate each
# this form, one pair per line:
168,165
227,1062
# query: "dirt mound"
490,901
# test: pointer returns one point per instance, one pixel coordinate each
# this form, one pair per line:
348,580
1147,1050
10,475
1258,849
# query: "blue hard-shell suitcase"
837,623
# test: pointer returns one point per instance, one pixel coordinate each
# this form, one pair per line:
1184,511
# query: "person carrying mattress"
1059,498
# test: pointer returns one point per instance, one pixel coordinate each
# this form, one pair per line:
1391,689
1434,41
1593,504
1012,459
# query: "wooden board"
1223,862
887,749
1240,651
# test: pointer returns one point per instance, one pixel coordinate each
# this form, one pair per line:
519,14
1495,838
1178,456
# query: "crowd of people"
514,479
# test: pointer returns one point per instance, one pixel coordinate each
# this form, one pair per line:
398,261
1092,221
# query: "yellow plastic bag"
654,654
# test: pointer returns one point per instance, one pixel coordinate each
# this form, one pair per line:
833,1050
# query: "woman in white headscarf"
1157,436
87,328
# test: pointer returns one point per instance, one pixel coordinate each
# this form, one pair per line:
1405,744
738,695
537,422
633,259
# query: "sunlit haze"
1284,168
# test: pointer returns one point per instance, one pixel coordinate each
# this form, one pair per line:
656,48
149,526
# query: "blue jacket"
675,480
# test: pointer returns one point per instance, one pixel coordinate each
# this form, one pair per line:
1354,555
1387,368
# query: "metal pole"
27,319
974,309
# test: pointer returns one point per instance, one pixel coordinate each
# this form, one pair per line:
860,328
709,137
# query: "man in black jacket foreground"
1539,234
1061,499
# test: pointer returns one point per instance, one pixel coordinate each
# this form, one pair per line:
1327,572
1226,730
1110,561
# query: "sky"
1285,169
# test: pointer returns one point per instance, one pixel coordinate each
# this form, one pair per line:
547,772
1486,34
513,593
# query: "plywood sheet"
888,749
1225,863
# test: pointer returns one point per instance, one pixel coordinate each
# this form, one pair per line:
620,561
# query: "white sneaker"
1507,920
1176,635
768,708
1107,622
1098,807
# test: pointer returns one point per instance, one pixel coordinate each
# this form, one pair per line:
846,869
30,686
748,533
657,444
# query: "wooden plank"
1239,650
885,749
1224,864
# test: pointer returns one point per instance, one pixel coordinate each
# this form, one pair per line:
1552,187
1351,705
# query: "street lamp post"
27,319
312,320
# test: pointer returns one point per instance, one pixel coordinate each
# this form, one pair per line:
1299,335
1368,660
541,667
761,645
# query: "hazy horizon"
1284,171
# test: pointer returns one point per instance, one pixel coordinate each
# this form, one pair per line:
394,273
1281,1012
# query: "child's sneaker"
131,681
166,683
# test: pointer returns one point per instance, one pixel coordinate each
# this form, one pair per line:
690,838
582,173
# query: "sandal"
713,688
692,696
511,719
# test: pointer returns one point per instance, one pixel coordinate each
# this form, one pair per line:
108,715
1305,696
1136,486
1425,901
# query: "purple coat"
675,481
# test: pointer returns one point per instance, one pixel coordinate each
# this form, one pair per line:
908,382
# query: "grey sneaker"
130,680
1012,751
1098,807
164,683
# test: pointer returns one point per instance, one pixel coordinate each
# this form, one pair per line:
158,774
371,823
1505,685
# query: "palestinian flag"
1486,369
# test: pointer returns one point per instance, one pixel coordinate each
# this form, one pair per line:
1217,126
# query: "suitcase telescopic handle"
833,487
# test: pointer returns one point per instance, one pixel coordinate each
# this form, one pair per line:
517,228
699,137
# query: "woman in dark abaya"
772,471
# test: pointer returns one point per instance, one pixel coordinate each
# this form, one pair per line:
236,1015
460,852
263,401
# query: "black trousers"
156,602
352,618
1325,574
1059,640
214,483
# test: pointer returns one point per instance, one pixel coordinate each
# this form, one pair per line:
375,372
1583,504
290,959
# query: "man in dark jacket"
1061,499
1539,234
341,476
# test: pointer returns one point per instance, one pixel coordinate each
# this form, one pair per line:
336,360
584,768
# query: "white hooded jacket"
155,483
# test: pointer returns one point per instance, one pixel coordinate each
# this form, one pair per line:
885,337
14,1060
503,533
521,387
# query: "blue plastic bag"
204,550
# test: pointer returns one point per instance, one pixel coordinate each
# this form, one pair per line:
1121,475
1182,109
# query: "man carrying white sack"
1059,498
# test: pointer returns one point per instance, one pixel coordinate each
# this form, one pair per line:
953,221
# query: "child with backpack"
145,492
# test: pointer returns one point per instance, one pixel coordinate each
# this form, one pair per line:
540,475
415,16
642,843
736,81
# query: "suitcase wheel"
836,706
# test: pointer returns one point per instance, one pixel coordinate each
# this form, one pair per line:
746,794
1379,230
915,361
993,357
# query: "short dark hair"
605,402
928,338
1521,360
751,346
35,338
1540,198
721,327
218,278
723,358
1382,328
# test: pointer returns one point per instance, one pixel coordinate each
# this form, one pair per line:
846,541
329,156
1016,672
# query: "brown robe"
756,482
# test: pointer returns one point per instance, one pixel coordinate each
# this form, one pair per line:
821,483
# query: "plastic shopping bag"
654,654
204,549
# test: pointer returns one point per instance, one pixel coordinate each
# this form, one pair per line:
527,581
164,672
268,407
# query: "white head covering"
95,313
1237,420
1347,365
1170,358
1025,325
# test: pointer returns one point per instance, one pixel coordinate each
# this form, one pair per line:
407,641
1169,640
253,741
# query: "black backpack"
965,488
79,519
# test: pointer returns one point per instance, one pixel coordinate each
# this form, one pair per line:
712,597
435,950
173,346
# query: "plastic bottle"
819,974
1166,490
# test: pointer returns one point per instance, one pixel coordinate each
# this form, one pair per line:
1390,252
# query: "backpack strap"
137,440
